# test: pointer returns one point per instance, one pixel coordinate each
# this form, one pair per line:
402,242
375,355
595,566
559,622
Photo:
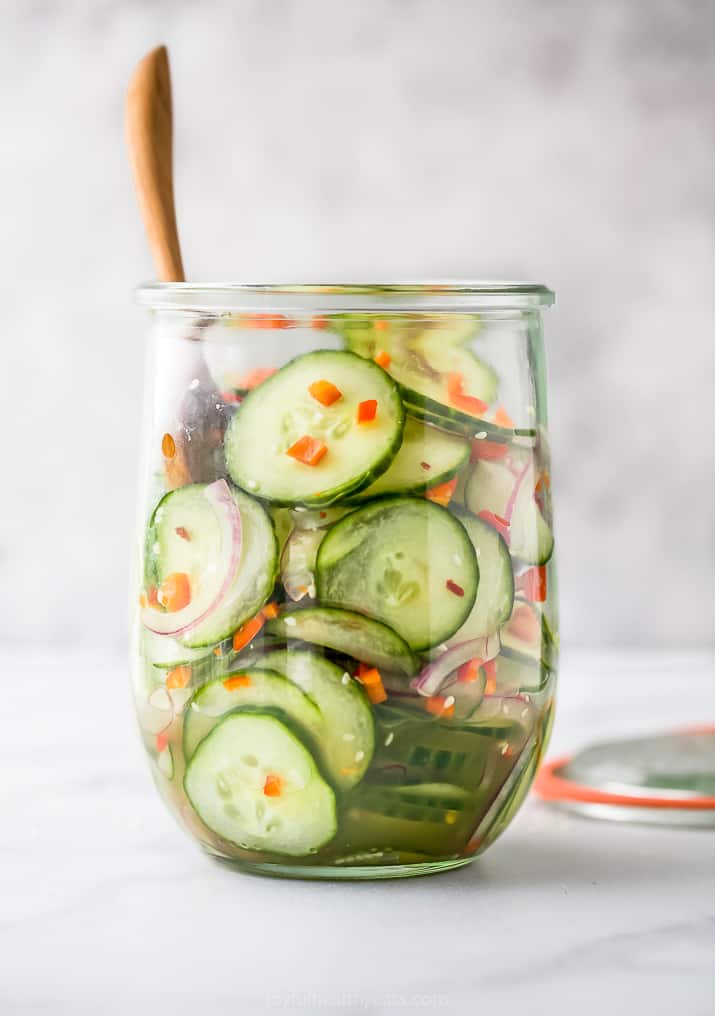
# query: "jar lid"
665,779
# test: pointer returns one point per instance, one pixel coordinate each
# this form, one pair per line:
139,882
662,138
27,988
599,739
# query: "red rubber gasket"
549,786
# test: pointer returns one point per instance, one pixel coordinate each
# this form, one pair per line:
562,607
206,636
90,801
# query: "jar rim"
464,295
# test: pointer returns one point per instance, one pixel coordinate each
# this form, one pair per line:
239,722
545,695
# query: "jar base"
340,873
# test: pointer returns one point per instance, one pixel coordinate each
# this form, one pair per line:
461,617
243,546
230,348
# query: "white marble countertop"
105,907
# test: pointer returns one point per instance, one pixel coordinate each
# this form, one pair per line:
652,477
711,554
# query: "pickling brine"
345,633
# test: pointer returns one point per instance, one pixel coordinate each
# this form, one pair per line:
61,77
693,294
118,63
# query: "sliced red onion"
435,675
180,622
509,509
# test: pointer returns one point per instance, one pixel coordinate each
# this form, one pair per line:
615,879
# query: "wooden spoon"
192,442
150,137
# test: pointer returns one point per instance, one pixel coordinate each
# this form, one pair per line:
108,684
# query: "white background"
566,142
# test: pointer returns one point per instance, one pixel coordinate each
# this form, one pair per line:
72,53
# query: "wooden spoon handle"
149,137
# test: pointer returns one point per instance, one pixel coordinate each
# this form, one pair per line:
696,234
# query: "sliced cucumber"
249,687
186,512
495,595
535,646
253,783
405,561
518,674
298,562
427,457
347,632
493,487
432,818
275,416
164,652
348,737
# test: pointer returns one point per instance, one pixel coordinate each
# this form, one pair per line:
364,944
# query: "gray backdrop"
572,143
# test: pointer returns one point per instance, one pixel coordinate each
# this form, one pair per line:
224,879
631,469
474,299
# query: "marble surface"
568,142
106,907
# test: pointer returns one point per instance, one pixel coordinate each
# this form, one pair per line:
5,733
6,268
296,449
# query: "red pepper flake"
322,515
490,671
168,446
308,450
425,465
469,671
367,411
496,522
231,397
239,681
467,403
182,532
325,392
454,588
256,377
383,359
532,583
265,321
442,493
440,705
273,787
488,451
502,418
162,742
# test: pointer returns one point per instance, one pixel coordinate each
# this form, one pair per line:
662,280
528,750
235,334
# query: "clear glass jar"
345,632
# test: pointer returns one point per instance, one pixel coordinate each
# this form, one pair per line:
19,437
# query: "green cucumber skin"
385,504
421,485
456,422
285,721
472,522
325,498
308,726
403,659
270,572
270,577
331,674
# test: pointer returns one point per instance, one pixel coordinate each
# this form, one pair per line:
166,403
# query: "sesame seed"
345,678
481,435
252,484
194,383
456,559
359,756
389,739
449,702
290,621
348,737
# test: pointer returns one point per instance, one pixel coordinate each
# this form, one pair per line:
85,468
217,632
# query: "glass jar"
345,632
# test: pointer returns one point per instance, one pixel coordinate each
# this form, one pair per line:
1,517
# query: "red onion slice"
509,509
435,675
182,621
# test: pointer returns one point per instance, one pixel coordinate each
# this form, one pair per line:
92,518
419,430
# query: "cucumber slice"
298,562
537,649
347,632
432,818
226,782
250,687
164,652
495,595
493,487
519,674
187,511
426,458
405,561
348,737
282,410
